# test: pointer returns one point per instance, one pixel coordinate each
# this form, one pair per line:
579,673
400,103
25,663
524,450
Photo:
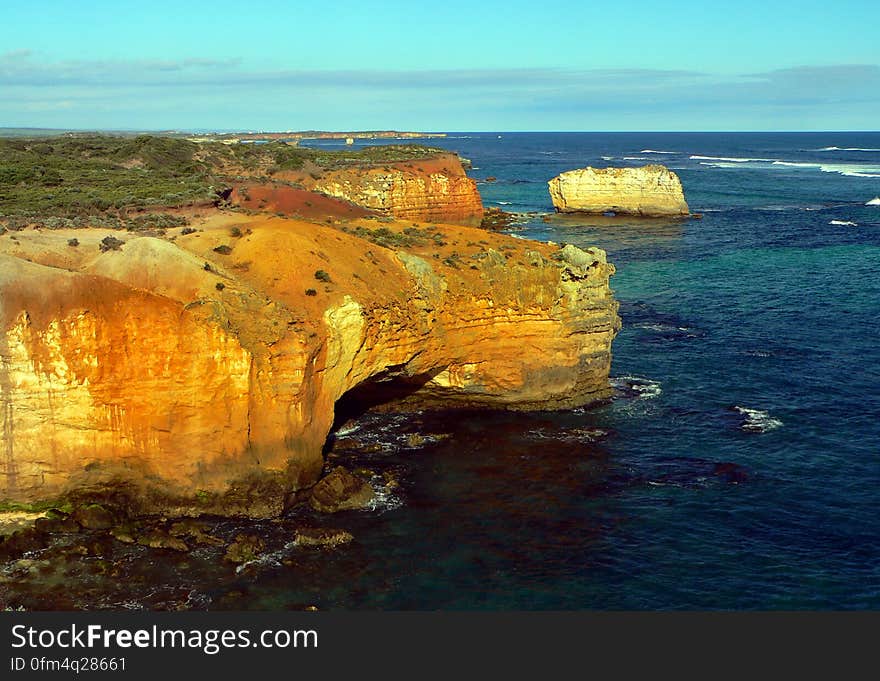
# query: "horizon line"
226,131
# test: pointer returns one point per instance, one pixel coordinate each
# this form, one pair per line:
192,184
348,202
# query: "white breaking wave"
607,158
730,159
384,498
272,559
846,169
348,429
757,421
852,169
793,164
874,202
845,149
654,151
844,223
635,158
721,164
645,388
503,203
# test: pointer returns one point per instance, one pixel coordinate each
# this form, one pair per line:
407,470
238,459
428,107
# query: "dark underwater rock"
157,539
340,491
244,549
322,537
57,525
94,517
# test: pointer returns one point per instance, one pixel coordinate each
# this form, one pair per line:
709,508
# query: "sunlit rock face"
435,189
650,191
190,380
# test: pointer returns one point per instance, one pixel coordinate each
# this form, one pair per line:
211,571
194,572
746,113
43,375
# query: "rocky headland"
198,368
649,191
433,188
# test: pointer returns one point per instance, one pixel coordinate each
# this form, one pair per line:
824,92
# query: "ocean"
736,468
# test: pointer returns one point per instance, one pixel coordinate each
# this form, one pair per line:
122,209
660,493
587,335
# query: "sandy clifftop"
651,191
201,380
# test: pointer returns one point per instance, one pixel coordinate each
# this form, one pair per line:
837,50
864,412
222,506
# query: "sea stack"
648,191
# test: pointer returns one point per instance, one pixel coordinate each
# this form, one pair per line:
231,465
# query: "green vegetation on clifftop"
87,175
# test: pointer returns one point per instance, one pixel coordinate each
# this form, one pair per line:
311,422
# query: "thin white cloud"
17,68
188,92
15,55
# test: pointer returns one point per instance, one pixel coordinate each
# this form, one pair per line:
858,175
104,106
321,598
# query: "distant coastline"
241,135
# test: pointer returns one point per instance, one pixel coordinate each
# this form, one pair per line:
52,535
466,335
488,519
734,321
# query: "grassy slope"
84,175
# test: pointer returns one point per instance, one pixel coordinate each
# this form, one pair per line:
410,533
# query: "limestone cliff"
651,191
192,381
432,189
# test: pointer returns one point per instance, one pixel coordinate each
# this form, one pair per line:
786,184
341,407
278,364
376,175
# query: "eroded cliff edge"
194,380
426,189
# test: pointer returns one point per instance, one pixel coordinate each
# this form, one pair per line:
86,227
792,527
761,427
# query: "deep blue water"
739,467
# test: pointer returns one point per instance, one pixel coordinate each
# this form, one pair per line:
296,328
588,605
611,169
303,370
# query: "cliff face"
435,189
191,381
651,190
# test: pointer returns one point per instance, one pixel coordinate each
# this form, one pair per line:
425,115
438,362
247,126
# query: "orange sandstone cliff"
193,380
431,189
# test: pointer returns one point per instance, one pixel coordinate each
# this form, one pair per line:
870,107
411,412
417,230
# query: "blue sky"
477,65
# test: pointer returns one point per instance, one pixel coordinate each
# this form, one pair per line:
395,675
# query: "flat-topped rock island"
648,191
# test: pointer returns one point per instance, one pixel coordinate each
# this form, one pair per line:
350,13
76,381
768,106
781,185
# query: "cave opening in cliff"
384,392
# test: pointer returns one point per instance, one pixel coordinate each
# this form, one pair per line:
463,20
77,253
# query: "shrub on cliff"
110,243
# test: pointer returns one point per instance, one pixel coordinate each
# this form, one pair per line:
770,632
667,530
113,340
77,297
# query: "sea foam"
637,386
845,149
844,223
730,159
794,164
721,164
757,421
846,169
